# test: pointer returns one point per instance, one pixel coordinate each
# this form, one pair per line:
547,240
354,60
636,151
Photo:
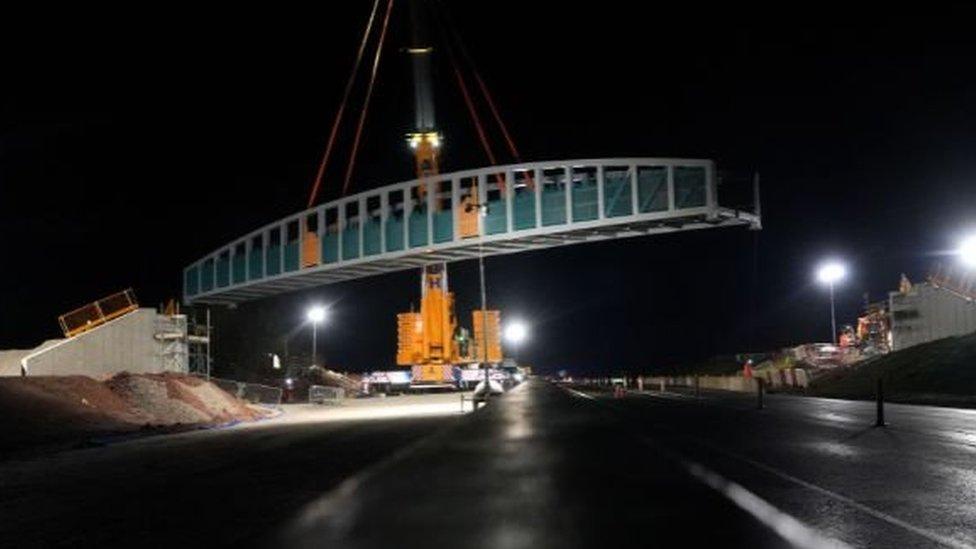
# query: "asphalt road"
909,484
542,467
216,488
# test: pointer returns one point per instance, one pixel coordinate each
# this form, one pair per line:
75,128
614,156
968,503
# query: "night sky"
133,143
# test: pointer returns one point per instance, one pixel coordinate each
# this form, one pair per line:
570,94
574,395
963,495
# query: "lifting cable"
470,105
342,106
369,95
481,83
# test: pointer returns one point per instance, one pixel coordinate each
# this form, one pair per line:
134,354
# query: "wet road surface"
538,468
909,484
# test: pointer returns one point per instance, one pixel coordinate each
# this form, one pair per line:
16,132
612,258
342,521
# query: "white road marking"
785,525
698,471
880,515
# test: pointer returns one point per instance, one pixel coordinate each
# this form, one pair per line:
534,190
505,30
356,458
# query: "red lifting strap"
342,107
369,95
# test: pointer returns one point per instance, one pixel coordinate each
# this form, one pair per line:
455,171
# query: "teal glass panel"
523,216
585,206
689,187
496,221
443,226
255,267
418,227
191,283
291,256
553,206
652,189
207,275
617,198
239,269
330,248
350,241
272,260
394,233
372,236
223,272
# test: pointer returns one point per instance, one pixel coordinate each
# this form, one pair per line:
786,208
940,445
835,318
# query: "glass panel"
291,256
617,197
239,268
585,201
350,241
418,226
394,233
223,270
652,188
496,220
255,266
553,197
689,187
272,259
207,275
192,281
372,243
330,240
443,226
291,246
330,247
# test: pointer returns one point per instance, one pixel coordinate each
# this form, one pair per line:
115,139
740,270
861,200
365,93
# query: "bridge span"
448,217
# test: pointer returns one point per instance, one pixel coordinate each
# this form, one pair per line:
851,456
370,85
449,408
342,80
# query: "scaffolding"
199,335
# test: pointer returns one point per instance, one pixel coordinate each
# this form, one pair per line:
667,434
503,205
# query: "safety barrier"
788,378
324,394
255,393
97,313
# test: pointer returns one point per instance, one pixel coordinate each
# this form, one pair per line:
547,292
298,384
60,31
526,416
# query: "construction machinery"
430,341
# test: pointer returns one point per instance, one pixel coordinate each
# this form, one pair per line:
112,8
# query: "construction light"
315,314
967,251
831,272
516,332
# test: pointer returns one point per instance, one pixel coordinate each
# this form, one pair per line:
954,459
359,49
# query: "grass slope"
939,372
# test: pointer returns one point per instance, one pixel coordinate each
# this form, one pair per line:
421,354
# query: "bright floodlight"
967,251
829,273
315,314
516,332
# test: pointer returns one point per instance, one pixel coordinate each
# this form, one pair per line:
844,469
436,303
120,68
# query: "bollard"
880,421
662,384
697,388
760,385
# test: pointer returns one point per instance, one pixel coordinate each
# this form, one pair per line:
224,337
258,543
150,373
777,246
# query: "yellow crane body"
429,341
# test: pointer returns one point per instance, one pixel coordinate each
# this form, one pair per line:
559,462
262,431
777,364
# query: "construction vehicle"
430,341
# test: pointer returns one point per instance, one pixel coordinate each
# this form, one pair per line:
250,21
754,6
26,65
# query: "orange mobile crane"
429,341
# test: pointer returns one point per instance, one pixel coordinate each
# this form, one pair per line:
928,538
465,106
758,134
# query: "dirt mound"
55,410
173,398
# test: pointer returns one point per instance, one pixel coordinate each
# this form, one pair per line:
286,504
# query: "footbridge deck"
405,225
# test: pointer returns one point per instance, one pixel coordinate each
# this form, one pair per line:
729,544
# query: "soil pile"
59,410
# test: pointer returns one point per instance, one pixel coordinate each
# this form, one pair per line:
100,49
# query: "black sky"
132,143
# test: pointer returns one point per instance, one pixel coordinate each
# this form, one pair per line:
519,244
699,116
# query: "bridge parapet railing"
441,212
